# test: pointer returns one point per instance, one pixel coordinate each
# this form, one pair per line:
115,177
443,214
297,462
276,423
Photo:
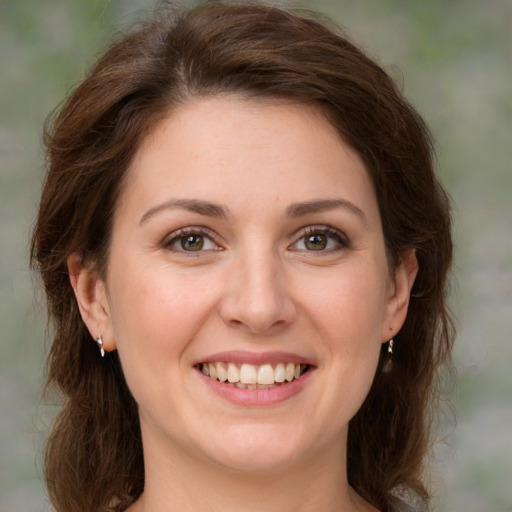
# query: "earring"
390,346
99,342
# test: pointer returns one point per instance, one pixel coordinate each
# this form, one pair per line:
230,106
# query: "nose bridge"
258,298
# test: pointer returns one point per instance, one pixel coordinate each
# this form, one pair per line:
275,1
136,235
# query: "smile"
249,376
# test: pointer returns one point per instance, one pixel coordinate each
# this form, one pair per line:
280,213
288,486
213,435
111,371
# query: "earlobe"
398,303
91,297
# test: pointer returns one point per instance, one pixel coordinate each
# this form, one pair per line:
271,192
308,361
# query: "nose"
257,298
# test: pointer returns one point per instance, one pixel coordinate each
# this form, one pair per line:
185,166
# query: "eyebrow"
322,205
214,210
192,205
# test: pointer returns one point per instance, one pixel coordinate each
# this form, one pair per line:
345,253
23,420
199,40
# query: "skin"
256,286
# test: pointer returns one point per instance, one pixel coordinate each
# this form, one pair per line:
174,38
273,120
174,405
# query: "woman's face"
247,245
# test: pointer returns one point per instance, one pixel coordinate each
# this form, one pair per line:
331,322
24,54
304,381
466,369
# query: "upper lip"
255,358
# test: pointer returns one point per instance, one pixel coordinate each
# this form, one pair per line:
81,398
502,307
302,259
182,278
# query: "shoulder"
400,506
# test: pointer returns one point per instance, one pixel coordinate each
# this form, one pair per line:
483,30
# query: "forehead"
227,148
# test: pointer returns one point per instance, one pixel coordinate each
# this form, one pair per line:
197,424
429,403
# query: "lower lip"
257,397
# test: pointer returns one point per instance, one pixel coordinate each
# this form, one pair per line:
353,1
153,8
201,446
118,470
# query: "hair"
94,458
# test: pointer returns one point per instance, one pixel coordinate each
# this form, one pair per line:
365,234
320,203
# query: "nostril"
257,323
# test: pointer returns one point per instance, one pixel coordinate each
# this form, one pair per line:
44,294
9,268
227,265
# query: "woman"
245,251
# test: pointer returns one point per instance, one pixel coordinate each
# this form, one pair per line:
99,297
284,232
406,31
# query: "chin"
257,449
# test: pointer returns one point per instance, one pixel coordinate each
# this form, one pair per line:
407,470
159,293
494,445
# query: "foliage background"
454,61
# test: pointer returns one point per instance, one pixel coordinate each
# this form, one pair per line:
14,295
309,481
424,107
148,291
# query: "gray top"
400,506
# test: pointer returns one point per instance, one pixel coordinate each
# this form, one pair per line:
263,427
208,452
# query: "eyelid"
322,229
171,238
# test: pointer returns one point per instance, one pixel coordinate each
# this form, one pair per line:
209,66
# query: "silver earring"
390,346
99,342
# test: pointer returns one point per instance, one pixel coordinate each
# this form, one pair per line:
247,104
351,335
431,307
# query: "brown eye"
192,242
316,242
321,239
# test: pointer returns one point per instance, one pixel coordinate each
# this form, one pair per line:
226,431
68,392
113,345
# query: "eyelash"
340,238
183,233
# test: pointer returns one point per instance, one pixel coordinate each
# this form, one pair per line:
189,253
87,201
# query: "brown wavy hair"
94,458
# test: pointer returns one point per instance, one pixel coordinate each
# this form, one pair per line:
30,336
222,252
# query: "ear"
400,291
91,296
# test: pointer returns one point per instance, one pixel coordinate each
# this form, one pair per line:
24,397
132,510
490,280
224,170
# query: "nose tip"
258,303
257,320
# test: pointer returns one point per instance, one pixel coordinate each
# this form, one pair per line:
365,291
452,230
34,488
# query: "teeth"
280,373
213,370
289,372
222,373
233,373
248,376
266,374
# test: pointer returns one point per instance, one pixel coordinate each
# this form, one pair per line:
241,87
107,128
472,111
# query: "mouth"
249,376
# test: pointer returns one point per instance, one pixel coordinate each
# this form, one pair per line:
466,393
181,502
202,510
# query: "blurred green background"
453,59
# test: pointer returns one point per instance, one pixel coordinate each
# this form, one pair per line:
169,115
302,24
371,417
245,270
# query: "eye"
320,239
190,240
316,242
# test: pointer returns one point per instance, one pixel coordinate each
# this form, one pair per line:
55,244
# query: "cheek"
152,320
151,326
350,306
156,315
152,298
348,316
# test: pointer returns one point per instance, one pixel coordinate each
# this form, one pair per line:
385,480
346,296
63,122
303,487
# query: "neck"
183,482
